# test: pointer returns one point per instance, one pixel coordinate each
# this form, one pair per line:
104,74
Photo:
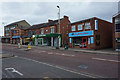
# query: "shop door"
40,41
84,42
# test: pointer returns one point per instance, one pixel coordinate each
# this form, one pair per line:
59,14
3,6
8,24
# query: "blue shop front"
83,39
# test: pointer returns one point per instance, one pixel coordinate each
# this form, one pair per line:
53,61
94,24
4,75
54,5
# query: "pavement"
108,51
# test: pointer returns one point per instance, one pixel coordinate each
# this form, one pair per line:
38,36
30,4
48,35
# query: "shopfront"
15,39
81,39
48,39
5,39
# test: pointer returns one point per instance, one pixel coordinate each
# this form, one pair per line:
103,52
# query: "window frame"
80,25
52,29
42,31
74,28
87,25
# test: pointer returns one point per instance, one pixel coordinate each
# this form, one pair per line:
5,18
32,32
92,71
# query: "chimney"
50,20
66,17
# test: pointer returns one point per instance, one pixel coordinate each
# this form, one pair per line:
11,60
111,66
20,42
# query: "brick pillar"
11,40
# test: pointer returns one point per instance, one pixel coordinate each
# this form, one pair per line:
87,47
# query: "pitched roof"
20,26
81,21
117,14
51,23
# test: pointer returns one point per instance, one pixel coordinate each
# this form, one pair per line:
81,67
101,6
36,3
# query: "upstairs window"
80,27
35,32
7,28
52,29
13,27
73,28
87,26
14,31
117,27
117,20
42,31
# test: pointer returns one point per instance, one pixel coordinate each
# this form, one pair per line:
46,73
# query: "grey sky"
39,12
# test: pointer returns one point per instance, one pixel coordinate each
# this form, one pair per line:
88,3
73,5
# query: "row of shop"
38,40
92,33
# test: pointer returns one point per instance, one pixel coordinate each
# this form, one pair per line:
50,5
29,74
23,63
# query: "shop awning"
15,36
48,35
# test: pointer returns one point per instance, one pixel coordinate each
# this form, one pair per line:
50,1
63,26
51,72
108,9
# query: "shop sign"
15,36
92,40
41,35
96,24
84,33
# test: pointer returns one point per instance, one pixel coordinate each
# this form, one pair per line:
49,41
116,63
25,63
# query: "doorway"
40,41
84,42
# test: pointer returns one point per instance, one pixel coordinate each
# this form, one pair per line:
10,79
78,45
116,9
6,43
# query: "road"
41,62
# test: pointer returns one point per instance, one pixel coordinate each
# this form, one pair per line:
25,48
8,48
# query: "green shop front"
51,39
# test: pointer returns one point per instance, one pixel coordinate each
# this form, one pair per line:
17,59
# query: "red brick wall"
63,29
105,31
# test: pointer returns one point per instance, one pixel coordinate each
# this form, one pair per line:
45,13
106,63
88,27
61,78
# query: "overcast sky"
40,12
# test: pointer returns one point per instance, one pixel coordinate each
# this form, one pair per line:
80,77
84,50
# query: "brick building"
116,32
47,34
92,33
13,32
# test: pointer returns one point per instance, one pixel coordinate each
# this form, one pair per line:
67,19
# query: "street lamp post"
58,44
59,18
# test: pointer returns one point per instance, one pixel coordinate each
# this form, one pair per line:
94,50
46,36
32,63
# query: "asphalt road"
41,62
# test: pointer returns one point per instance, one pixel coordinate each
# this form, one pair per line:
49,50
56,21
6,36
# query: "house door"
84,42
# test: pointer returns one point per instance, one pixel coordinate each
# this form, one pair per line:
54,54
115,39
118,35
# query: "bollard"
29,47
18,45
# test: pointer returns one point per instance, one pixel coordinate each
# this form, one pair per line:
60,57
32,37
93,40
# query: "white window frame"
87,25
13,27
80,27
42,31
52,30
73,28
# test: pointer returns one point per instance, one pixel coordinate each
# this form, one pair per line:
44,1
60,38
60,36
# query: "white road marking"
88,75
50,53
13,70
43,51
105,59
64,54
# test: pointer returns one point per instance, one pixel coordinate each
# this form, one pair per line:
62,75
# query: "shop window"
117,39
87,26
73,28
97,43
97,37
80,27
